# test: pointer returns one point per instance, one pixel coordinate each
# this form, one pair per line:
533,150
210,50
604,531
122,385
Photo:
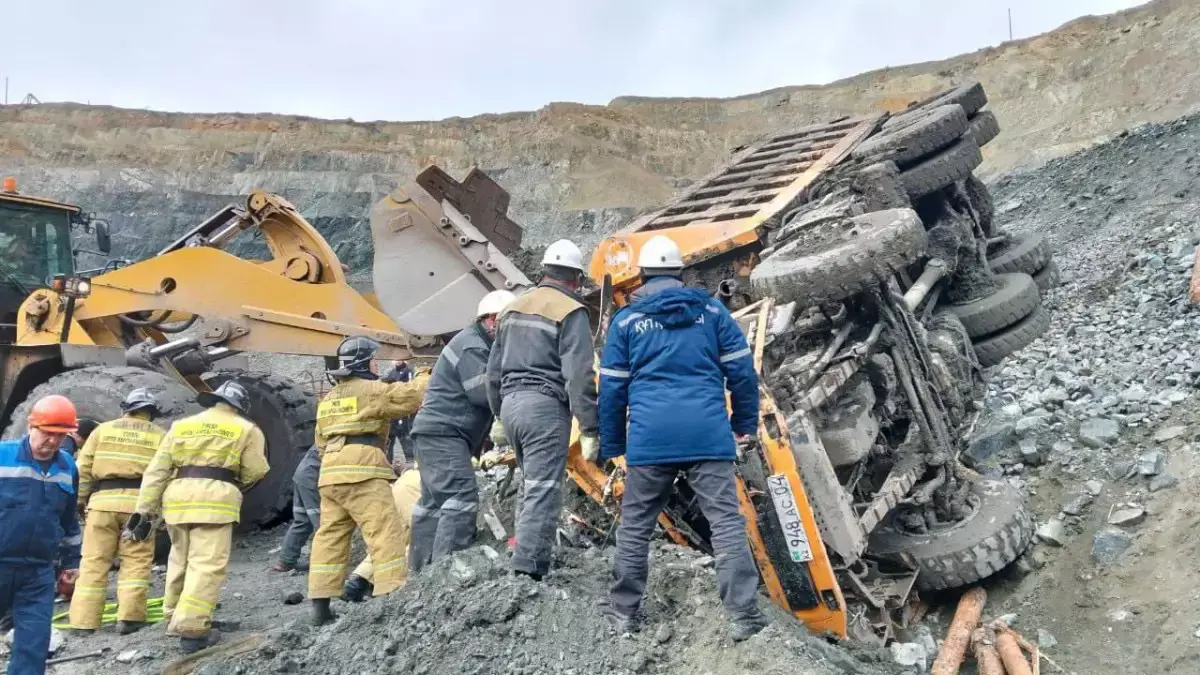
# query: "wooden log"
958,638
1010,654
986,658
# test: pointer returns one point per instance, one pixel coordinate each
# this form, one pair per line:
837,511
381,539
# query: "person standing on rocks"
405,492
452,424
197,477
540,372
38,482
352,433
668,361
306,511
111,464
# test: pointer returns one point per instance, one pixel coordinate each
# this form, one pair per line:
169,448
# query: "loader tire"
1050,277
97,392
287,415
984,128
1014,300
992,349
837,259
997,531
947,167
921,138
1022,253
980,199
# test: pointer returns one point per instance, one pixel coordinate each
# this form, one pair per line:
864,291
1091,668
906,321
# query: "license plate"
789,518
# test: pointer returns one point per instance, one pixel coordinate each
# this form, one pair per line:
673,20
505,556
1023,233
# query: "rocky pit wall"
577,170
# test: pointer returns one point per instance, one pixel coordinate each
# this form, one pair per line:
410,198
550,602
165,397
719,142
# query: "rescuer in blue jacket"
668,361
38,526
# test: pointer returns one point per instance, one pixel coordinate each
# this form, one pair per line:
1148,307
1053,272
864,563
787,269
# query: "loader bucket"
439,248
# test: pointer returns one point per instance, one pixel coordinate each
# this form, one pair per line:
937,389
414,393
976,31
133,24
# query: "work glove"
589,447
497,434
139,527
742,443
489,459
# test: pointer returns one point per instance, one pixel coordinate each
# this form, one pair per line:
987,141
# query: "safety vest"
113,460
353,421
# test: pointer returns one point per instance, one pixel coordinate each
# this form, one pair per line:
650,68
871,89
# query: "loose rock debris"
468,614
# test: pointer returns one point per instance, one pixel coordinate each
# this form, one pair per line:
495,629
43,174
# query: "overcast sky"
428,59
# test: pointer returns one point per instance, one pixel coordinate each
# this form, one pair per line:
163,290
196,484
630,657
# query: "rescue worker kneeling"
352,431
111,464
405,492
669,358
453,422
202,467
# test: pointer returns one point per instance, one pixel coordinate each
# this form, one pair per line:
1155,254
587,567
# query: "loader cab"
35,246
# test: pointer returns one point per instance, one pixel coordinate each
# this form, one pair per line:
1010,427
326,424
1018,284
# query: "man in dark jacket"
669,359
540,374
38,487
453,421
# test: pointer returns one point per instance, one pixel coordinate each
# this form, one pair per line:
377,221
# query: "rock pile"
467,614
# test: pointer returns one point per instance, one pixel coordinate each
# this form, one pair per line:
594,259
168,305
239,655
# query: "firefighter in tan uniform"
111,464
352,431
198,475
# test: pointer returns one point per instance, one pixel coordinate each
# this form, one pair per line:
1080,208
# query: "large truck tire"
996,532
97,392
992,349
287,415
984,128
945,168
1016,297
1027,253
837,259
970,96
922,137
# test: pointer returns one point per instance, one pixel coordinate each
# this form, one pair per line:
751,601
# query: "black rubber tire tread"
980,199
925,136
984,127
287,415
952,164
1049,277
969,95
1026,253
97,392
1016,298
997,533
993,348
877,242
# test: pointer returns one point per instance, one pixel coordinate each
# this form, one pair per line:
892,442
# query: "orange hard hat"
54,413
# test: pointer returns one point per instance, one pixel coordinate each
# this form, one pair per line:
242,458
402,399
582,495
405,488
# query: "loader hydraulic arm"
297,302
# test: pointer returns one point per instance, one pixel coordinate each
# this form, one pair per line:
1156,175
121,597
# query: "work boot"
127,627
749,625
321,614
191,645
532,575
621,623
80,632
357,589
281,566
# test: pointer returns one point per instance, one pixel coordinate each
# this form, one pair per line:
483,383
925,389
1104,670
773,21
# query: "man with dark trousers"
668,361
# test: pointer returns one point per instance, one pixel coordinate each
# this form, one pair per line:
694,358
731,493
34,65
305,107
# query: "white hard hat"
660,253
564,253
494,302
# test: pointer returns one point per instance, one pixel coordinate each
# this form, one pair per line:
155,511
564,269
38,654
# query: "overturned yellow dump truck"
861,260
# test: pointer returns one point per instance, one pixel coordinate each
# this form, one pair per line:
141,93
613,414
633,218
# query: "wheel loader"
177,321
855,256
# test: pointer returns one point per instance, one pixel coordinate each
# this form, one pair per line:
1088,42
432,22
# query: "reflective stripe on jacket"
360,406
121,448
456,401
218,438
37,508
544,343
